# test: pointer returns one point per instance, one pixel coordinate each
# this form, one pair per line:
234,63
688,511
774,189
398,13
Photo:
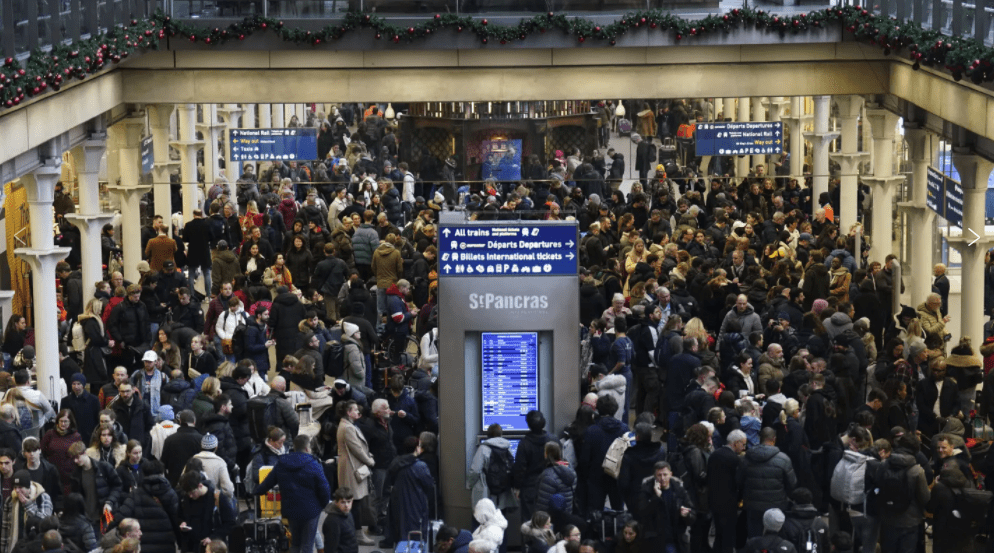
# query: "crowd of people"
745,383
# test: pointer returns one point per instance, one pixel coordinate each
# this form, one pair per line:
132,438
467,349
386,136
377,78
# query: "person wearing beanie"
354,361
773,520
215,468
84,405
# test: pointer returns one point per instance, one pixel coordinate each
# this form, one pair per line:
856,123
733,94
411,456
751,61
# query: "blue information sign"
510,378
954,202
484,250
934,186
944,196
148,155
300,143
729,139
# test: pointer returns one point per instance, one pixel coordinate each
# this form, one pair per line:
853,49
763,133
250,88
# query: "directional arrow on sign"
570,244
446,232
976,237
447,268
570,256
776,133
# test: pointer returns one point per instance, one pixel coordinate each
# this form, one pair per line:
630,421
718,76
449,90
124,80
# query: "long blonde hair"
695,328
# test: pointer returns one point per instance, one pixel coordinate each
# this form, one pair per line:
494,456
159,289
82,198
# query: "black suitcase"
263,535
606,525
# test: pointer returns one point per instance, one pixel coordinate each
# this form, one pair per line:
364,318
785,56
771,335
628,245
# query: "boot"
364,539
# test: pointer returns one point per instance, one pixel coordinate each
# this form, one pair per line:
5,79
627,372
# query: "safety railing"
951,17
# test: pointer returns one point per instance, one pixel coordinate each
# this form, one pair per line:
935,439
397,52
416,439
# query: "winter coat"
239,412
723,487
592,304
78,531
199,514
748,320
407,426
613,385
398,315
637,465
55,449
286,313
216,470
85,407
108,484
94,366
410,484
353,454
255,345
136,419
529,462
224,268
286,416
766,477
329,276
299,263
557,479
129,323
661,522
301,479
155,505
339,531
220,427
178,449
387,265
364,242
392,207
966,369
10,435
476,479
492,522
915,513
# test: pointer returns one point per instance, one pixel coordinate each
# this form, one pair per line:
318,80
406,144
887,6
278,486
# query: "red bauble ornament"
693,31
67,71
483,40
263,26
410,30
317,41
396,39
582,39
193,38
485,22
642,21
679,36
459,29
207,40
17,100
597,29
437,17
134,22
652,25
612,43
21,72
724,18
378,36
502,41
87,59
148,32
551,14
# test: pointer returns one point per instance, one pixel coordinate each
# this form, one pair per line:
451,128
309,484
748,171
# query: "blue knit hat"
208,442
77,377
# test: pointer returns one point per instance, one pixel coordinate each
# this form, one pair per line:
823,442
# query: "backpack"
238,338
894,494
970,509
333,357
653,153
261,415
498,471
849,478
78,342
664,350
615,454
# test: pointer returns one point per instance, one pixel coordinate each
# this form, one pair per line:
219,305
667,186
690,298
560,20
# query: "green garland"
44,71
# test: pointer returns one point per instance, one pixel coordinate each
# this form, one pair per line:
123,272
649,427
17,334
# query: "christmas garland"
44,71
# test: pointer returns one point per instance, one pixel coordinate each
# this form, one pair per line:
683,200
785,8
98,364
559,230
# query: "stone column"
921,219
730,112
820,140
248,116
775,104
883,184
188,146
42,256
719,105
849,159
232,115
129,194
974,172
160,115
89,219
796,122
265,116
759,114
211,130
742,162
279,118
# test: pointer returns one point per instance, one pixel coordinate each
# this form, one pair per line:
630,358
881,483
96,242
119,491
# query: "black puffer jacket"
109,488
219,426
239,412
529,462
767,478
79,531
128,323
155,505
391,204
556,480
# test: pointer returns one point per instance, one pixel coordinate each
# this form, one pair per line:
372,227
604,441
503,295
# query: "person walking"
305,492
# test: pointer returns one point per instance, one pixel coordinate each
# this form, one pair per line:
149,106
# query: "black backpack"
498,471
678,465
333,357
261,415
895,493
973,506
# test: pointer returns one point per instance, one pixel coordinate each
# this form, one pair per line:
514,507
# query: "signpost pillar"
849,159
759,114
742,162
820,140
188,146
974,172
921,219
883,183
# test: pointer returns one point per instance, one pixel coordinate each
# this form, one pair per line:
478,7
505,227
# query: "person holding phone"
665,510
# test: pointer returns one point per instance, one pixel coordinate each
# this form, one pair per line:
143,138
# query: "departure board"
510,378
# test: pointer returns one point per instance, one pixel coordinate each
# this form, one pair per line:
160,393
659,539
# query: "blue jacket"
398,316
411,485
681,372
303,485
461,543
556,480
407,426
255,345
391,204
86,407
597,440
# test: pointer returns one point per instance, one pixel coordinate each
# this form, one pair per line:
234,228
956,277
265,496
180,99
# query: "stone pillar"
42,256
89,219
759,114
129,194
883,184
742,162
265,116
279,119
820,140
775,104
232,115
211,130
160,115
921,219
796,123
188,146
719,106
974,172
849,159
730,112
248,116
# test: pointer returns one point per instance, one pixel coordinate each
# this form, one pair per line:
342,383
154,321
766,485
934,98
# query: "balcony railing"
29,24
951,17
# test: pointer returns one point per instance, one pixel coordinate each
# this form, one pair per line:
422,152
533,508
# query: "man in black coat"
637,463
329,275
181,446
379,435
681,369
339,528
84,405
107,486
529,462
643,153
766,478
134,415
937,393
199,236
239,419
128,324
284,316
198,522
724,491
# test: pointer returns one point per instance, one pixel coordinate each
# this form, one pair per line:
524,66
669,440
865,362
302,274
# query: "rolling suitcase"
264,535
624,127
667,151
414,544
607,525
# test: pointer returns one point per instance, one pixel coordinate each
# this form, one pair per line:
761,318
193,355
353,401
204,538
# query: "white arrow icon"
569,244
570,256
447,268
446,232
977,237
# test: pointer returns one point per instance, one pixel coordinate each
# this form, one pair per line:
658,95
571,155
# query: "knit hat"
22,479
773,520
341,384
954,426
77,377
439,198
916,349
208,442
783,316
806,237
818,305
166,413
143,267
222,244
350,329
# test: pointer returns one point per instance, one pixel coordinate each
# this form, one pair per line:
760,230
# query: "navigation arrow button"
976,237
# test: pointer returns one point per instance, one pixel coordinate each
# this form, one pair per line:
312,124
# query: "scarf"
152,389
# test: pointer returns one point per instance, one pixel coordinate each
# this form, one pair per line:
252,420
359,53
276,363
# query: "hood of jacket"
156,485
485,512
901,460
761,453
384,249
393,290
841,321
611,425
499,443
564,473
176,386
804,512
227,256
296,462
287,299
818,269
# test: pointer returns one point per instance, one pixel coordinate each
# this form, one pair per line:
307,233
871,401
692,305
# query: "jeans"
672,441
206,272
870,534
382,501
898,540
303,533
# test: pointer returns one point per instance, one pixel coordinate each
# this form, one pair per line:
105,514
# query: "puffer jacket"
387,265
219,426
108,483
224,268
748,321
767,478
302,482
364,243
155,505
79,531
492,522
129,323
557,479
391,204
239,418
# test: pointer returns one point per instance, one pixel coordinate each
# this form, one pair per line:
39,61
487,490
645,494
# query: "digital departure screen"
510,378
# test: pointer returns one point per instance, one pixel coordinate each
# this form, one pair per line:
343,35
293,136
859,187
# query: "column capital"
974,170
90,152
883,181
40,183
820,138
918,139
849,161
883,123
849,105
128,190
98,219
40,257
